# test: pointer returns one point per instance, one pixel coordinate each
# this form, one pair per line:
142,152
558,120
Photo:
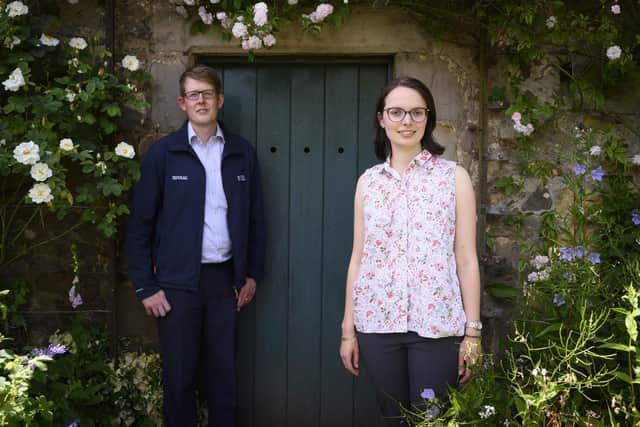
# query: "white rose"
125,150
15,81
66,144
260,18
595,150
615,9
16,8
322,11
189,2
27,153
48,40
41,172
221,16
77,43
71,95
130,62
636,159
254,42
239,30
12,41
614,52
206,17
40,193
101,167
551,22
260,7
269,40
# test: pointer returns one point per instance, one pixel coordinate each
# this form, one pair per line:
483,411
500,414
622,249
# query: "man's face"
203,109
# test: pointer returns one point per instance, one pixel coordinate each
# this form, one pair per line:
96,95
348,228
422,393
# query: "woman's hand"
349,353
470,351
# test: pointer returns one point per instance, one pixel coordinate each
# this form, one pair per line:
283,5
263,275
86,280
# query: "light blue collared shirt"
216,242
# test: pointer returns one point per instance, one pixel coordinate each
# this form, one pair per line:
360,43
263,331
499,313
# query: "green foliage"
64,101
261,35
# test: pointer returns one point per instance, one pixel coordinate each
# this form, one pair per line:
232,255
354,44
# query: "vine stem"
44,242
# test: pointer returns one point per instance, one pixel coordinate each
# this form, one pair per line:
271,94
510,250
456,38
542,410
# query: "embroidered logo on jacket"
242,178
180,178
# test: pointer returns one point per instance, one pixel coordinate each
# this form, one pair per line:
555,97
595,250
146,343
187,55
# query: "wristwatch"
474,324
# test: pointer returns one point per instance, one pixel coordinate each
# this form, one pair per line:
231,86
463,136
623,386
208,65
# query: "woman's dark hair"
381,142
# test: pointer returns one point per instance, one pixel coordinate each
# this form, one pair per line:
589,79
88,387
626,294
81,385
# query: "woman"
412,306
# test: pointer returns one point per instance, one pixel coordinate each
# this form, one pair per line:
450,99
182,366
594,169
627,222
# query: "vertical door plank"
239,109
339,184
272,297
372,80
305,251
239,117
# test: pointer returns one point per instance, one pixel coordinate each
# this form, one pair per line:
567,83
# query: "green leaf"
551,328
502,291
619,347
624,377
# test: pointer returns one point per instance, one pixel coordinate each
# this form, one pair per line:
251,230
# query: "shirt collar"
193,137
419,160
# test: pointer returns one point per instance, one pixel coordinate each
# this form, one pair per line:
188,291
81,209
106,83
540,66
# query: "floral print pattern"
407,279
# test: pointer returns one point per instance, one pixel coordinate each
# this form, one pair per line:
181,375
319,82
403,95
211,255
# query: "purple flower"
74,297
432,413
428,394
594,258
578,252
50,351
566,254
597,173
635,217
75,423
558,300
579,169
55,349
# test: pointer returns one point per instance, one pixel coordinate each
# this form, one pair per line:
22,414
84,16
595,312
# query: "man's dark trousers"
200,324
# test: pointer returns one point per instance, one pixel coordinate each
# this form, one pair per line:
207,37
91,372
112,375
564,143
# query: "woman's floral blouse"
407,278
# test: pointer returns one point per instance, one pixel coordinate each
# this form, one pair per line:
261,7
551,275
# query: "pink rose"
516,117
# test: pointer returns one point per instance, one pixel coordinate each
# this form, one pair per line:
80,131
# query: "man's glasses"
194,95
398,114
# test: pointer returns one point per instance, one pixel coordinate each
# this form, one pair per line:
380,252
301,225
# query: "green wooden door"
311,123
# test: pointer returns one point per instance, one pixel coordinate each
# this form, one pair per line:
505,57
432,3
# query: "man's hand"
247,292
157,305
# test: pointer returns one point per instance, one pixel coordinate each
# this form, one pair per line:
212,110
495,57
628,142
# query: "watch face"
475,324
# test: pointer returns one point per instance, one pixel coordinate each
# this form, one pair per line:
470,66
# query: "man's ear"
182,103
220,100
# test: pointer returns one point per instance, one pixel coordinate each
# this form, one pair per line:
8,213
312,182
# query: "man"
195,244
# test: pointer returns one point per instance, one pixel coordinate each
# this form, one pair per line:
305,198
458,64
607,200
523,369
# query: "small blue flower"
55,349
432,413
558,300
578,252
594,258
635,217
428,394
566,254
579,169
597,174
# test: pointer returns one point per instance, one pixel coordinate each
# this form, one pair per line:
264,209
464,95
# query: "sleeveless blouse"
407,280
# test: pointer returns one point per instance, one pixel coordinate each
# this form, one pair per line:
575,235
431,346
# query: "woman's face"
407,132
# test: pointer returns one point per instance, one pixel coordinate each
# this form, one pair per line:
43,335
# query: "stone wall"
162,41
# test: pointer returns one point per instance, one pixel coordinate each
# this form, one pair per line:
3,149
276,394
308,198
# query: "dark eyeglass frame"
194,95
405,112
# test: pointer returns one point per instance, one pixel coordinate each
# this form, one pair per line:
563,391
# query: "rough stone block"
165,112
